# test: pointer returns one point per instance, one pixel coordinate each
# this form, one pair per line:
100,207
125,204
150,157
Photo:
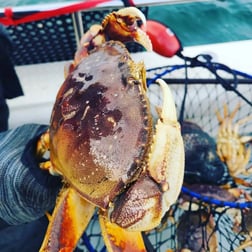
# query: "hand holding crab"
26,192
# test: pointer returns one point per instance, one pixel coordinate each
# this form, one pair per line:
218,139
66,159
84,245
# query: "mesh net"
47,40
205,218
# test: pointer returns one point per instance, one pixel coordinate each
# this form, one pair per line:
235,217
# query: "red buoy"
164,41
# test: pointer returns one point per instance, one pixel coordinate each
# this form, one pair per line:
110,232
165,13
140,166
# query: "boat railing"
51,32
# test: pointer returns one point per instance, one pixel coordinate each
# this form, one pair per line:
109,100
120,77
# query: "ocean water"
195,23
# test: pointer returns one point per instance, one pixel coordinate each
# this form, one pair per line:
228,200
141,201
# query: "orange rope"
9,16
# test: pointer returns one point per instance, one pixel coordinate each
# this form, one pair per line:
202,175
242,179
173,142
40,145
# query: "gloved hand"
26,192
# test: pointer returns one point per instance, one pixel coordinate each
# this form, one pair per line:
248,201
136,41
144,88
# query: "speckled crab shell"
101,124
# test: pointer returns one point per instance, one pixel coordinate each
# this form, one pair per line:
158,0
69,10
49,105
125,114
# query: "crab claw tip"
168,108
133,11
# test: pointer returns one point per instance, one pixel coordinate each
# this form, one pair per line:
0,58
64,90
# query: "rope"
210,200
10,19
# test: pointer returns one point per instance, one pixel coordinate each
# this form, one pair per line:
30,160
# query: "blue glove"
26,192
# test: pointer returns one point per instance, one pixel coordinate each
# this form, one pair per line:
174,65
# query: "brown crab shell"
101,124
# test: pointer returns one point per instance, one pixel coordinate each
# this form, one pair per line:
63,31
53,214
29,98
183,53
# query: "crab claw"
123,26
166,164
139,209
167,159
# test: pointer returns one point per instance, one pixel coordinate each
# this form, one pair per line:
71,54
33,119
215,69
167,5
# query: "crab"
196,232
231,146
202,164
244,225
105,145
197,228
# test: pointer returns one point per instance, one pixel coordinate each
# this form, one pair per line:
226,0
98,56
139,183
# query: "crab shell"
101,125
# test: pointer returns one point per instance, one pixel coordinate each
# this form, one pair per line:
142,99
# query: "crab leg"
67,223
118,239
245,245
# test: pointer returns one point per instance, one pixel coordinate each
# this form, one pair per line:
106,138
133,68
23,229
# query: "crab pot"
201,220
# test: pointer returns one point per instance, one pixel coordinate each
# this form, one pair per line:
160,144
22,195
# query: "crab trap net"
214,210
